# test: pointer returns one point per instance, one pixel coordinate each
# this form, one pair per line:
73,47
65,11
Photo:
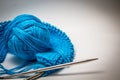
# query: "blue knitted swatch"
38,43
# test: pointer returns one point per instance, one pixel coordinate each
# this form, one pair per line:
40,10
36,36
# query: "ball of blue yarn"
30,39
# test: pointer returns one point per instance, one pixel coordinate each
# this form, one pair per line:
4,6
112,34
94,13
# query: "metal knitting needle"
48,68
35,76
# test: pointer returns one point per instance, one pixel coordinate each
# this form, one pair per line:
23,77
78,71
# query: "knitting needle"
35,76
48,68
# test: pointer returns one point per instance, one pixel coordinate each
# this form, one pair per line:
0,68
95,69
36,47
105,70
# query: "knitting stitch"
34,41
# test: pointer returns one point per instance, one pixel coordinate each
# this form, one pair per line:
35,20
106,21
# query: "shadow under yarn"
15,60
78,73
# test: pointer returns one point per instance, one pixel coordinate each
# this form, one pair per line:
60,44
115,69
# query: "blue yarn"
39,44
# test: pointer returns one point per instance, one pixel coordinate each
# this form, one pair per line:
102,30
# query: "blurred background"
92,25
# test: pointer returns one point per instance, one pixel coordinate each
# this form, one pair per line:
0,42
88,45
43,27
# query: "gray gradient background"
93,27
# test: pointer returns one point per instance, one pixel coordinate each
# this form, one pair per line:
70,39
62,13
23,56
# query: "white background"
93,27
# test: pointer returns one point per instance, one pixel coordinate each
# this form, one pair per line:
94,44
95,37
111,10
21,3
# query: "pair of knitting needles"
39,72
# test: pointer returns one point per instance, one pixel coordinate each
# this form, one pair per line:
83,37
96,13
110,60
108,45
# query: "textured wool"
38,43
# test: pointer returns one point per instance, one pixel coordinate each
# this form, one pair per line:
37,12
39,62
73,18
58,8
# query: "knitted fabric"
38,43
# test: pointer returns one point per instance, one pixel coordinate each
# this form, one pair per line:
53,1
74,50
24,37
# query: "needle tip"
96,58
93,59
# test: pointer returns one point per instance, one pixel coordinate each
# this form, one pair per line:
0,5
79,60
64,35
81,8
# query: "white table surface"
93,27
